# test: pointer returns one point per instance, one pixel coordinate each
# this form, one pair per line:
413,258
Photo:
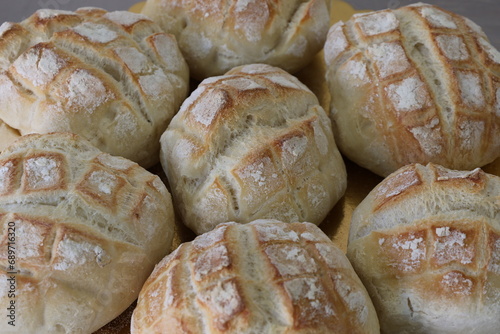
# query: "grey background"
486,13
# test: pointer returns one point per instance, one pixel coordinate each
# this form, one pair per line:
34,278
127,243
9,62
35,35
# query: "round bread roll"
265,277
426,244
215,37
252,144
82,229
112,77
414,85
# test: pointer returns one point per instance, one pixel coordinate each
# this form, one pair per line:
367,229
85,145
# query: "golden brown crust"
112,77
251,144
89,228
262,277
216,36
416,84
425,243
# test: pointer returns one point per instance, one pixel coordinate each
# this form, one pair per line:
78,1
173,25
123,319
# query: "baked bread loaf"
215,36
426,244
86,229
265,277
252,144
112,77
414,85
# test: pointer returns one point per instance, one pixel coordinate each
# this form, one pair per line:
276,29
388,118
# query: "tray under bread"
360,181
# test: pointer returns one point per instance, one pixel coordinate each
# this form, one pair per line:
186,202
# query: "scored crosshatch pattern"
483,12
253,143
439,249
215,36
112,77
65,207
258,278
430,75
107,182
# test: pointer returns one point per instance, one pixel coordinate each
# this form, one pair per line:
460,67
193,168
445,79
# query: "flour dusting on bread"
261,277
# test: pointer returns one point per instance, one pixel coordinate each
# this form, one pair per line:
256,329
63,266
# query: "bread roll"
216,36
416,84
426,244
252,144
112,77
87,229
265,277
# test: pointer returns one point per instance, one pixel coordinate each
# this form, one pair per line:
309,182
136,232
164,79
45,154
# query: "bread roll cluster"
86,228
252,162
115,78
416,84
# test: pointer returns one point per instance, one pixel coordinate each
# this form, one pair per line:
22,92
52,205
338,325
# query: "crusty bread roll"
252,144
216,36
87,229
265,277
426,244
416,84
112,77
